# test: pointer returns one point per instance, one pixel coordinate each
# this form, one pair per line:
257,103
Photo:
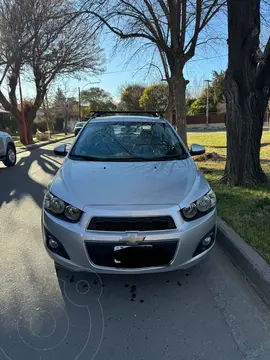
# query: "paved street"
208,313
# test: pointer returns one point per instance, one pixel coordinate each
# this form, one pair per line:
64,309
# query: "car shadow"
29,177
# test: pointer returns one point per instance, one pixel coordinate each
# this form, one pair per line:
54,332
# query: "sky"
209,57
119,71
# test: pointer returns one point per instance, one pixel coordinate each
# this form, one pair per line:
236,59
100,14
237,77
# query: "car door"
2,144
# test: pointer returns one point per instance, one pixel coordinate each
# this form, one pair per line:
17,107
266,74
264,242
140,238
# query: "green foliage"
130,97
154,97
246,210
216,96
97,99
189,102
217,87
198,107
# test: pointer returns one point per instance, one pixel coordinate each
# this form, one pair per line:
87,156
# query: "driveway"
208,313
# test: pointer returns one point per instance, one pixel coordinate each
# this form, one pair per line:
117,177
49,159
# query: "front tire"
10,156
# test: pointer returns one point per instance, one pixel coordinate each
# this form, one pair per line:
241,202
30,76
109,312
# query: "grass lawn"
245,210
18,143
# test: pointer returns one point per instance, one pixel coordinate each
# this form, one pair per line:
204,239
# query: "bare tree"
247,91
57,43
173,27
64,106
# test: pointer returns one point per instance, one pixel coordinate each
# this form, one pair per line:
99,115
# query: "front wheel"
11,156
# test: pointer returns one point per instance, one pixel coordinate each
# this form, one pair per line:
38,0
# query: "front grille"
149,254
152,223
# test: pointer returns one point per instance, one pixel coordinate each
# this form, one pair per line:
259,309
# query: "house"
7,122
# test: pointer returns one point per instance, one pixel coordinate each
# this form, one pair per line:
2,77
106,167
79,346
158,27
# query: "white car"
7,149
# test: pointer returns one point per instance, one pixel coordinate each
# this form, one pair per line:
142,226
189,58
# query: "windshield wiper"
84,157
171,157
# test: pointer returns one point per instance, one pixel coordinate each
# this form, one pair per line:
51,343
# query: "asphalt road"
208,313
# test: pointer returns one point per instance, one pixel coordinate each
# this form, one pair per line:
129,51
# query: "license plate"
118,248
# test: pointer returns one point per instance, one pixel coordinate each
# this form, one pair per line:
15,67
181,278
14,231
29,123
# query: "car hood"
84,183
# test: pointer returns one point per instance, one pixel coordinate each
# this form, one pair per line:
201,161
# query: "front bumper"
75,239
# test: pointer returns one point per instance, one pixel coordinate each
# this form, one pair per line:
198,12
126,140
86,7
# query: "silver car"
7,150
128,199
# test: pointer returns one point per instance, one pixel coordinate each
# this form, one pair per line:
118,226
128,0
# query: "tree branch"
183,24
8,107
165,10
117,31
157,25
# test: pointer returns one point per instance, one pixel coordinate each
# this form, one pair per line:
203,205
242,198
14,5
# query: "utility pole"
79,89
207,103
22,111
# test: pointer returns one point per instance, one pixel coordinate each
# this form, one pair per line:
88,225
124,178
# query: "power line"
202,59
210,58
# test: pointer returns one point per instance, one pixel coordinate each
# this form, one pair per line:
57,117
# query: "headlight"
72,213
59,208
54,204
201,206
204,203
190,211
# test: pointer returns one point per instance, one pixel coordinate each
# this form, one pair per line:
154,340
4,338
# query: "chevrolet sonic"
128,199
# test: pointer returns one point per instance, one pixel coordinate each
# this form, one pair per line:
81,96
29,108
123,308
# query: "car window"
128,141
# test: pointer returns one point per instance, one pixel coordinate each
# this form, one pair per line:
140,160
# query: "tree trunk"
169,111
21,133
245,116
65,124
29,130
30,115
246,104
179,90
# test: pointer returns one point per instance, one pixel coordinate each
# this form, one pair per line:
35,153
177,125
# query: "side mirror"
196,149
61,150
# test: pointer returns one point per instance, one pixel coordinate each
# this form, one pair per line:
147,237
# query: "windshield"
128,141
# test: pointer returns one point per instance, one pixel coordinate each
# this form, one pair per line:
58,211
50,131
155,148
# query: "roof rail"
94,113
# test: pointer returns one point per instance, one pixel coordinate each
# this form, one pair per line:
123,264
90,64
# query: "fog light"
53,244
207,241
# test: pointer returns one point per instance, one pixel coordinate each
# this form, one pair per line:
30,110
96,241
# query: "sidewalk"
41,143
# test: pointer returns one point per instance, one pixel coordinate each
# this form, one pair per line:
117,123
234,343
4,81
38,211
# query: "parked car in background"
78,127
129,199
7,149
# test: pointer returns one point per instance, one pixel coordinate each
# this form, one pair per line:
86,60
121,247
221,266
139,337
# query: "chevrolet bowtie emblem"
132,239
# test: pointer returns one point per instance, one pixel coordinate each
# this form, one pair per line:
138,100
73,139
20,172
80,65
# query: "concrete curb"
40,144
246,259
